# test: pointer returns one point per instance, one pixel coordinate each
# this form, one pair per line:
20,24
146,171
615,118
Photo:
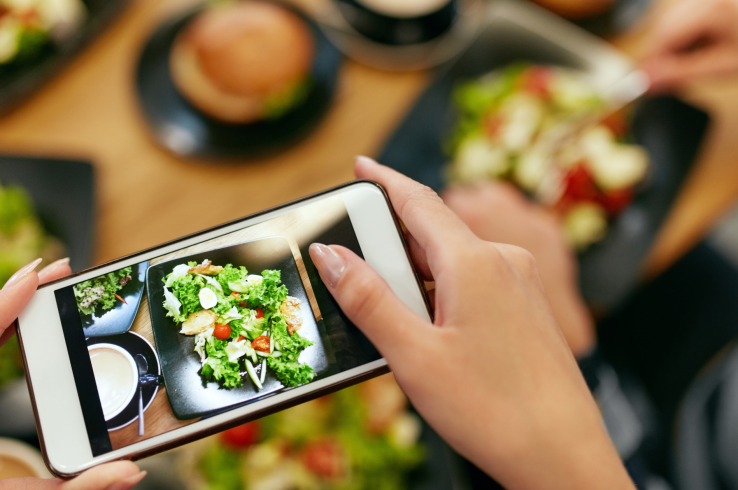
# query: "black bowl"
186,131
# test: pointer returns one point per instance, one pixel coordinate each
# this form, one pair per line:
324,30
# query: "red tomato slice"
242,436
222,331
261,343
580,185
324,457
240,338
259,313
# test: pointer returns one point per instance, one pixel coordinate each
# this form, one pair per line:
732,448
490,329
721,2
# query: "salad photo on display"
243,324
101,293
505,123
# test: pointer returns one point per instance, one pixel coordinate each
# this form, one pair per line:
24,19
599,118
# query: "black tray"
120,318
18,83
63,192
188,394
186,131
670,130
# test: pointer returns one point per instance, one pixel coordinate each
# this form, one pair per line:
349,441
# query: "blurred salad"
360,438
101,291
243,323
505,118
22,236
22,239
29,27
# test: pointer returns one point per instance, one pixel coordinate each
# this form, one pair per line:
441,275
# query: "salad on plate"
361,438
102,291
506,122
243,324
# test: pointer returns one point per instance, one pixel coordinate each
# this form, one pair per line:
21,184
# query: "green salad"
22,235
242,323
101,291
22,239
361,438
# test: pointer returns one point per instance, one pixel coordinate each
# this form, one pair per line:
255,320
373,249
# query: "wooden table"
90,111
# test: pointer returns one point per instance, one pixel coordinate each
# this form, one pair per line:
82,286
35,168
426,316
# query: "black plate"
134,344
63,192
17,83
670,130
188,395
186,131
119,318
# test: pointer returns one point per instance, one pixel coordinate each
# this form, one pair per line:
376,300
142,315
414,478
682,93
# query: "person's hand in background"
693,39
493,374
497,212
14,296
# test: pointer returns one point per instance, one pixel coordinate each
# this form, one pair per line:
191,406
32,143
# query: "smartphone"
180,341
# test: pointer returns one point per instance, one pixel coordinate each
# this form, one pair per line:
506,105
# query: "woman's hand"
497,212
14,296
493,374
694,39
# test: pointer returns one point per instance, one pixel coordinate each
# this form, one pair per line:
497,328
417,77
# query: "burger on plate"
244,61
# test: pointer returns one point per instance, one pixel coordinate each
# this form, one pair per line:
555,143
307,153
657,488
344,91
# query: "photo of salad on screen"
102,291
243,323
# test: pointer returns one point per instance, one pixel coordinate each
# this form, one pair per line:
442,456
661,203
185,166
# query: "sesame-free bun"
231,59
576,9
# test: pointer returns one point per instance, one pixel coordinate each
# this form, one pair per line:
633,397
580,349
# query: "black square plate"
63,192
188,394
670,130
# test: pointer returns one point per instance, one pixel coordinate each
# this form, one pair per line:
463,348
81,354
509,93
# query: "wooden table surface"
90,111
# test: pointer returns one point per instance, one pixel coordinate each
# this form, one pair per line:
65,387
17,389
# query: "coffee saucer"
134,344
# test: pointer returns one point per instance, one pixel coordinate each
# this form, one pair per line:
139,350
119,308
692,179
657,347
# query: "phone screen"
209,328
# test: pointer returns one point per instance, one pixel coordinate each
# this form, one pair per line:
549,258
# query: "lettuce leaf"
218,368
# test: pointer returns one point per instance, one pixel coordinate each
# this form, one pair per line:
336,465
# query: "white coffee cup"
116,376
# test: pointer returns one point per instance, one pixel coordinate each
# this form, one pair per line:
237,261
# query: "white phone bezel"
57,409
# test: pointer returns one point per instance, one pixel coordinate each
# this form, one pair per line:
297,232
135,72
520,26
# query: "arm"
493,374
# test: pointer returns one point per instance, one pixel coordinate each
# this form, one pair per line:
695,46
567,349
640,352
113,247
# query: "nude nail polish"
332,266
22,272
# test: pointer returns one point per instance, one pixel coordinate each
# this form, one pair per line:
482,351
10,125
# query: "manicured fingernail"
54,265
23,272
331,265
363,159
127,483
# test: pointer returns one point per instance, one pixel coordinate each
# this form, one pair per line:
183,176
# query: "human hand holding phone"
14,296
492,374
